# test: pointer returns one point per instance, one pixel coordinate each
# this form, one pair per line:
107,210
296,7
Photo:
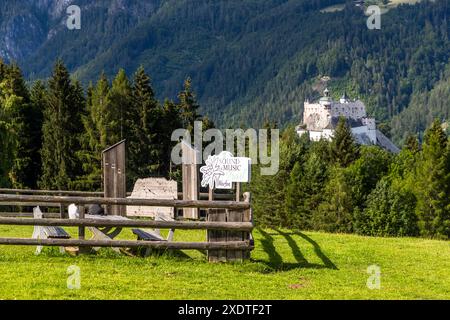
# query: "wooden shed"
114,178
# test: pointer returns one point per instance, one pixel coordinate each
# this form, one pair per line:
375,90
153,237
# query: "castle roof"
326,97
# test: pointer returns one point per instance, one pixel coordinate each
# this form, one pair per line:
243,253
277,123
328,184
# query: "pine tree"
120,99
295,199
3,68
335,213
4,157
143,128
270,190
344,149
172,121
34,120
390,212
269,198
61,129
365,172
433,185
305,190
207,123
21,127
97,134
188,106
412,144
11,124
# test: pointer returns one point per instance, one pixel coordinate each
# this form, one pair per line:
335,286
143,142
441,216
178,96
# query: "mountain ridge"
251,61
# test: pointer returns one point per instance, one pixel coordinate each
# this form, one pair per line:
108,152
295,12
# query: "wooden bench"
47,232
148,235
56,233
154,234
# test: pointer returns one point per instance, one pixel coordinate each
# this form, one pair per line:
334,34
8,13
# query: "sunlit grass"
284,265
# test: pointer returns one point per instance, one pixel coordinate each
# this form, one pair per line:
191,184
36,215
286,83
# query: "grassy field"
284,265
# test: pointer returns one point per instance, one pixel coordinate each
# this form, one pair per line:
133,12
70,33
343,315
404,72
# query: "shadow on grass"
276,263
326,261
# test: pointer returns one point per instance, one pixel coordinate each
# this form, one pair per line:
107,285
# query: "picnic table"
101,233
47,232
105,233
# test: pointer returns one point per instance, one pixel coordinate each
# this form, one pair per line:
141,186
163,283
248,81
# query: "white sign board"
222,170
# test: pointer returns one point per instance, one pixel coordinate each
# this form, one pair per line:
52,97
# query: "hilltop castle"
320,120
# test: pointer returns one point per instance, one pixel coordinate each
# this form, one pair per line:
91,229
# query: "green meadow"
284,265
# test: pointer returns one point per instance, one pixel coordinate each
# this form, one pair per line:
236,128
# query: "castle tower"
344,98
326,101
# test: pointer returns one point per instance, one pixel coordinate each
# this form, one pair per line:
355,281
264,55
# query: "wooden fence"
62,207
228,227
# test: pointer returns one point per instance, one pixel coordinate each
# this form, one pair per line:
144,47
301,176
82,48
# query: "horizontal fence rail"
233,205
25,204
202,195
229,245
54,192
186,225
29,214
228,229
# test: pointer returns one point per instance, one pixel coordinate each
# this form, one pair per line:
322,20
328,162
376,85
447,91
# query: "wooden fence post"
82,230
191,181
62,212
216,215
247,217
235,216
229,215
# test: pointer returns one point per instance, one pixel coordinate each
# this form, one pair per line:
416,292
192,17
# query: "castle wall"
369,122
319,120
355,110
371,133
325,134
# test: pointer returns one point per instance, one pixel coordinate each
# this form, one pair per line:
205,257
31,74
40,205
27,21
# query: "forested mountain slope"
250,61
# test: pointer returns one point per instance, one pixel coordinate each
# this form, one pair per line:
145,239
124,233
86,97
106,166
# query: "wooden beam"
187,225
53,192
217,196
28,214
81,229
233,205
247,217
235,245
202,196
29,204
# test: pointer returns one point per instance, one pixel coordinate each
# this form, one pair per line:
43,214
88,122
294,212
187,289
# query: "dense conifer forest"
251,61
53,132
339,186
241,68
